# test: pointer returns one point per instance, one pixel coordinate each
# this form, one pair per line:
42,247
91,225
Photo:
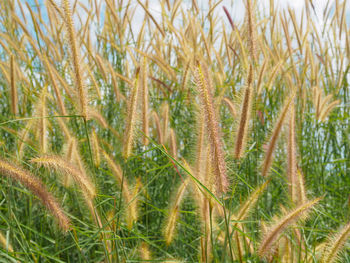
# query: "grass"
174,143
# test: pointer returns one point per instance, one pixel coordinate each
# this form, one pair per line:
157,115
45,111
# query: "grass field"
180,136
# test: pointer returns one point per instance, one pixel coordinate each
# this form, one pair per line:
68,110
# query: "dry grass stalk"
285,250
69,155
14,96
38,189
241,137
144,92
42,123
204,85
292,158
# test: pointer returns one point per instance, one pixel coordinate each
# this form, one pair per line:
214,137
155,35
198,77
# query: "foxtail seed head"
75,58
242,133
204,85
38,189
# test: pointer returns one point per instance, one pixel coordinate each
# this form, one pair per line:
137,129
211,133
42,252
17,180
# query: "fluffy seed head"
280,224
64,166
38,189
242,133
204,84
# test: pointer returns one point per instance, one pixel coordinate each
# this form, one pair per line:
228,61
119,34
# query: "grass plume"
38,189
204,85
169,229
58,163
241,137
131,119
273,141
280,224
335,245
75,58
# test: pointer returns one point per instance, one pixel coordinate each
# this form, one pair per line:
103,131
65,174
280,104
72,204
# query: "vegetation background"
186,136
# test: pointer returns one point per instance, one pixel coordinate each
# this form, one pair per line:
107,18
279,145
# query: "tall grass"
186,135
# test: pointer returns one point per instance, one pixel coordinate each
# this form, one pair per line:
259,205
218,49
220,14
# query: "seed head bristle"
14,98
